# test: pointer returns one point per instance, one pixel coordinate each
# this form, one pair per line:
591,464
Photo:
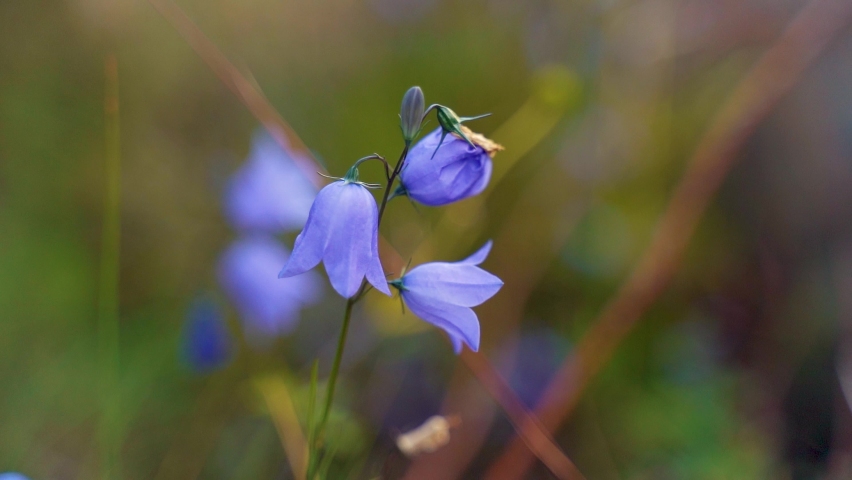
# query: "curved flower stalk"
459,170
343,232
268,193
269,307
443,293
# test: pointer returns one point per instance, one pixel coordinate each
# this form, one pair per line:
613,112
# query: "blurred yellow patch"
386,314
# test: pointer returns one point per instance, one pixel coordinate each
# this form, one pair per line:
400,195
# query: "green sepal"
451,123
351,175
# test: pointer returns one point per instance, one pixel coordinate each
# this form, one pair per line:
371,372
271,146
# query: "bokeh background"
735,372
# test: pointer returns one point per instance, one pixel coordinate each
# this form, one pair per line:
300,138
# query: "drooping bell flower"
206,343
269,193
342,231
268,306
443,293
458,171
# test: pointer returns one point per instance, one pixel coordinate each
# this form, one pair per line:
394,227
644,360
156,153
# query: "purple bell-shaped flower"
267,305
443,293
269,193
343,232
458,170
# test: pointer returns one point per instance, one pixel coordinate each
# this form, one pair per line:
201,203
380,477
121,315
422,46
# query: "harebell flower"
342,230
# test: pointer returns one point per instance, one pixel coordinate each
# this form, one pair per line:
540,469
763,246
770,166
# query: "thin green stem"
396,170
329,395
335,367
347,315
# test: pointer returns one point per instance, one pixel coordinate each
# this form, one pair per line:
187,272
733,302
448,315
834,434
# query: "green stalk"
341,341
108,329
391,180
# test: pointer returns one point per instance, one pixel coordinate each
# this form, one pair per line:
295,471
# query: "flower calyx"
450,122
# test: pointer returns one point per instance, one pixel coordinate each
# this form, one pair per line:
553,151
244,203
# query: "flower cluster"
449,164
268,195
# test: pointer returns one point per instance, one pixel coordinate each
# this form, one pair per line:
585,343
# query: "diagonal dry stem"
777,71
529,430
245,90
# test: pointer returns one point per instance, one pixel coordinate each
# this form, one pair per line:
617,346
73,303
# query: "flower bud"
458,171
411,113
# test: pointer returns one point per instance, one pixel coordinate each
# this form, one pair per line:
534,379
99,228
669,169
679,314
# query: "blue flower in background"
268,193
342,232
268,306
13,476
206,342
529,362
458,170
442,293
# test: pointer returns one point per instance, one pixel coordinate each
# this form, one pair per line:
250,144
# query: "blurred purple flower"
13,476
268,193
458,170
342,232
268,306
442,293
529,362
206,344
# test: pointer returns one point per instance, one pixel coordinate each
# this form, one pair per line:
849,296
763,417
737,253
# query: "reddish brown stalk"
769,80
245,91
529,430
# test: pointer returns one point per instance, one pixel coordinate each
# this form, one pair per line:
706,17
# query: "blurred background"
737,371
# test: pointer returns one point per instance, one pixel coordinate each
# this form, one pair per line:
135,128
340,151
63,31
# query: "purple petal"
375,272
267,305
268,193
456,342
459,322
206,343
12,476
311,243
349,252
454,283
479,256
457,171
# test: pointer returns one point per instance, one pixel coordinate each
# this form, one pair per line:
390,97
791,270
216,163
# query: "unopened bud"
411,113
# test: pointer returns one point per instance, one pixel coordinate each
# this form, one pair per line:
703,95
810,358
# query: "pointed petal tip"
344,291
480,255
456,343
382,287
284,273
